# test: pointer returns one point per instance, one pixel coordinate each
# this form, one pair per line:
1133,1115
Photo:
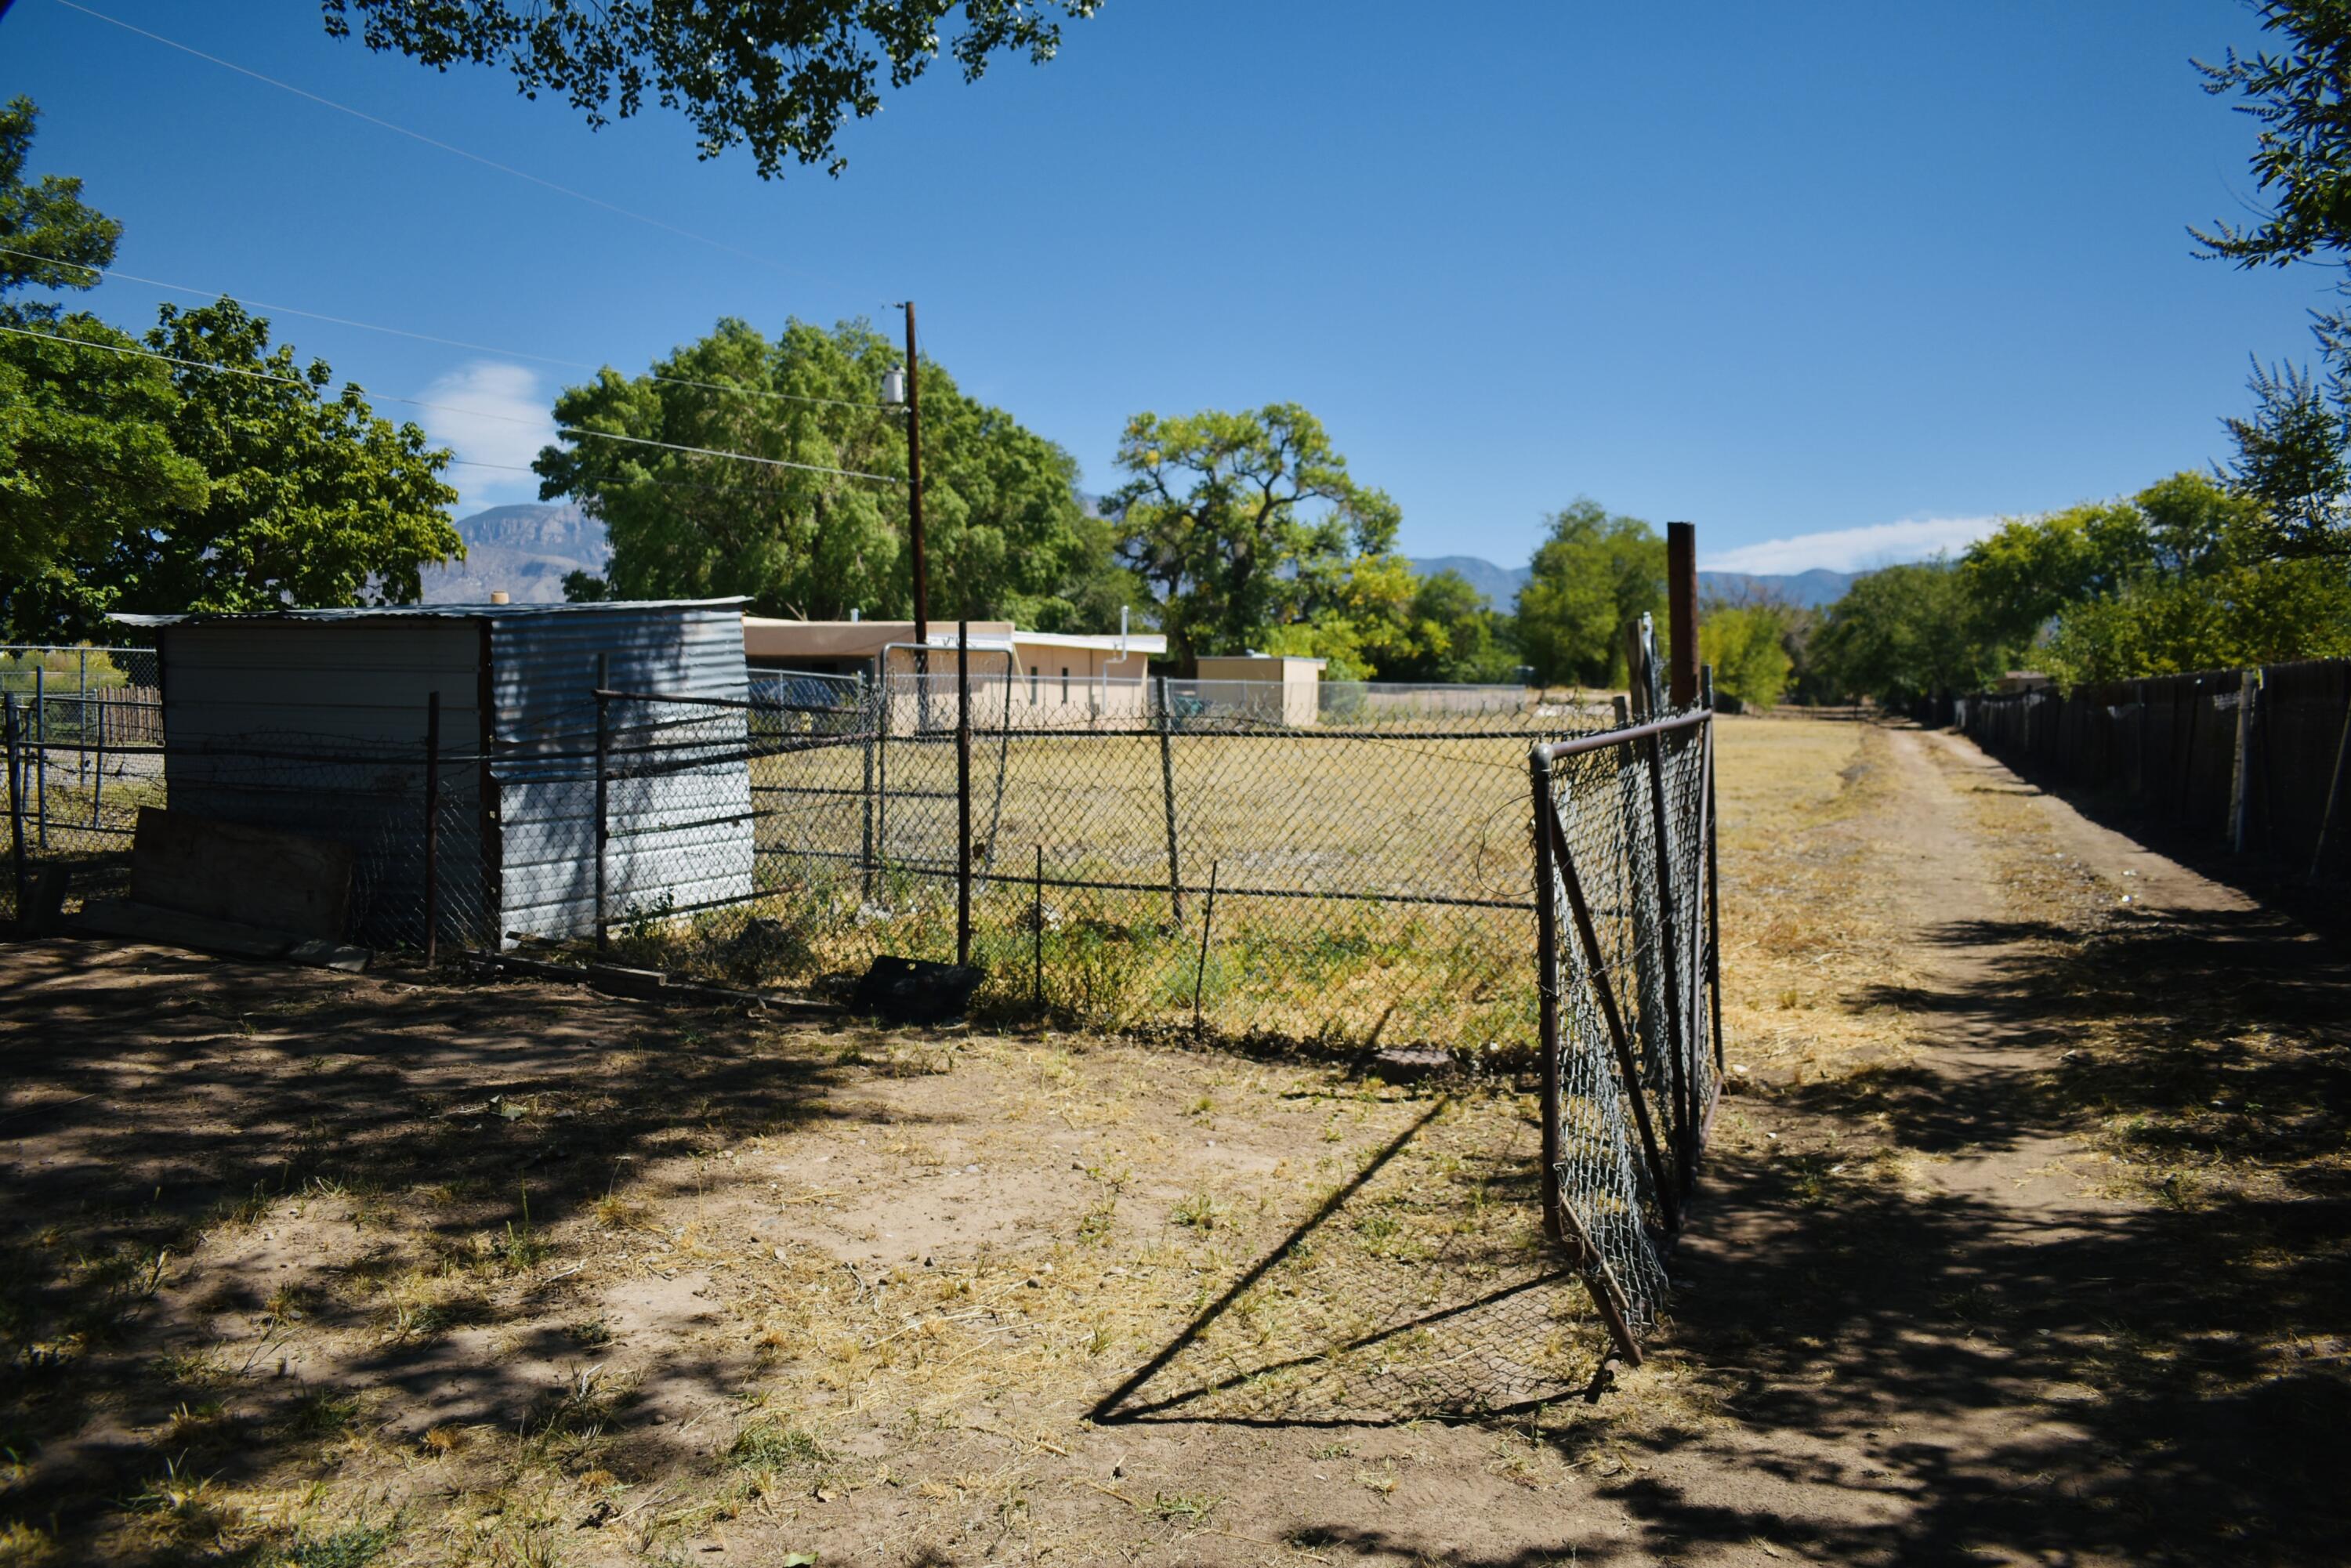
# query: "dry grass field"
320,1270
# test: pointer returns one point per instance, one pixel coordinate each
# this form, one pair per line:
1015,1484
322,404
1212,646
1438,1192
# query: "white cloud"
494,415
1856,550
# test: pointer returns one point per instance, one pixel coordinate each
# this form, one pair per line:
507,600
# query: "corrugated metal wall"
317,727
665,853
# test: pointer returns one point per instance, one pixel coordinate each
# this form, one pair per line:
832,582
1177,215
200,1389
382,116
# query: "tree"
1903,632
83,455
1458,636
816,526
2292,459
1595,572
1240,525
2019,577
51,239
2294,455
779,76
1747,646
225,482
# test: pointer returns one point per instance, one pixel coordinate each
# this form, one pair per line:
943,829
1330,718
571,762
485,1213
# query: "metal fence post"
1539,765
603,815
98,769
1713,873
1670,968
81,727
40,750
1167,796
865,856
1201,972
1037,933
15,804
432,826
963,791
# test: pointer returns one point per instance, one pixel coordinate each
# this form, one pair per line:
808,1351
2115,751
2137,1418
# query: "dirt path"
1940,1317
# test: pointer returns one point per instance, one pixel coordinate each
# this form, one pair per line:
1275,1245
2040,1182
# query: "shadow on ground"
152,1103
2158,1378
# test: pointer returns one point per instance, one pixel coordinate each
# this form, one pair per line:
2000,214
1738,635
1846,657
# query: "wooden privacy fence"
2254,759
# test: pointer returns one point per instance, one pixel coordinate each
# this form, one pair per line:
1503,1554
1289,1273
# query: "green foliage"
1595,572
780,77
2291,458
53,240
1457,636
128,483
1747,646
1002,523
85,459
2185,575
1248,532
1904,632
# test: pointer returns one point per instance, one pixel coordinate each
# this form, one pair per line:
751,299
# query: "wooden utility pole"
1681,612
914,488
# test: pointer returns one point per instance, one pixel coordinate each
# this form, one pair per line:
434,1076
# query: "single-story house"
1033,679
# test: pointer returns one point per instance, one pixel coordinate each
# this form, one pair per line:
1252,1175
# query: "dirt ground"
2023,1240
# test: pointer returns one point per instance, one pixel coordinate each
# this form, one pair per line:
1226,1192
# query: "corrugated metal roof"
419,611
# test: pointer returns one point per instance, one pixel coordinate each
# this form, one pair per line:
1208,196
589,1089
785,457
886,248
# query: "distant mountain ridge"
1500,584
524,550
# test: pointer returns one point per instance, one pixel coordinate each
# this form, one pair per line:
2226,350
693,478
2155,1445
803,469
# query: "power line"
151,354
429,338
574,432
428,141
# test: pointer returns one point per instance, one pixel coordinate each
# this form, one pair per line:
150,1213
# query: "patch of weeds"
523,1249
1095,1224
200,1368
591,1336
1336,1451
321,1413
352,1546
773,1446
616,1213
1190,1509
24,1545
183,1507
1199,1212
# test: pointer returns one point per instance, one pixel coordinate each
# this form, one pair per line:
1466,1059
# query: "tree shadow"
182,1099
2154,1375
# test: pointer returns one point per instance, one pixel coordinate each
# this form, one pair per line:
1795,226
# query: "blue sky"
1838,281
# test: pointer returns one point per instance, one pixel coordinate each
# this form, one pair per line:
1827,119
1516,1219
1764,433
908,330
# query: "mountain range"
528,549
1810,589
524,550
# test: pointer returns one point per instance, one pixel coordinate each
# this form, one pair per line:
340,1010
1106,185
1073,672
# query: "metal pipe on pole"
1681,612
963,791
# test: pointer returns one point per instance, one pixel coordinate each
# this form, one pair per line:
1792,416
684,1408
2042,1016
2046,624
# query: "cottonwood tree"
1248,532
1593,573
779,77
820,528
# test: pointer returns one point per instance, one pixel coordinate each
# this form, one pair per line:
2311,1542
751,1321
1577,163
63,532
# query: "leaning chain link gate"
1628,1011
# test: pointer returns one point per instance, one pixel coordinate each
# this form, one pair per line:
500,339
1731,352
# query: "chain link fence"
1160,856
1629,1020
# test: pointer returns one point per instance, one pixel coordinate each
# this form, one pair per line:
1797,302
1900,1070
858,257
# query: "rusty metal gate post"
1682,1071
1538,767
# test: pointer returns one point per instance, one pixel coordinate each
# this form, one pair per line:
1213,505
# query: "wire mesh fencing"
1629,1009
1164,862
83,766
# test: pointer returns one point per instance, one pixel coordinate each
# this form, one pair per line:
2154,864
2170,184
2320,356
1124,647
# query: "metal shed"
314,721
